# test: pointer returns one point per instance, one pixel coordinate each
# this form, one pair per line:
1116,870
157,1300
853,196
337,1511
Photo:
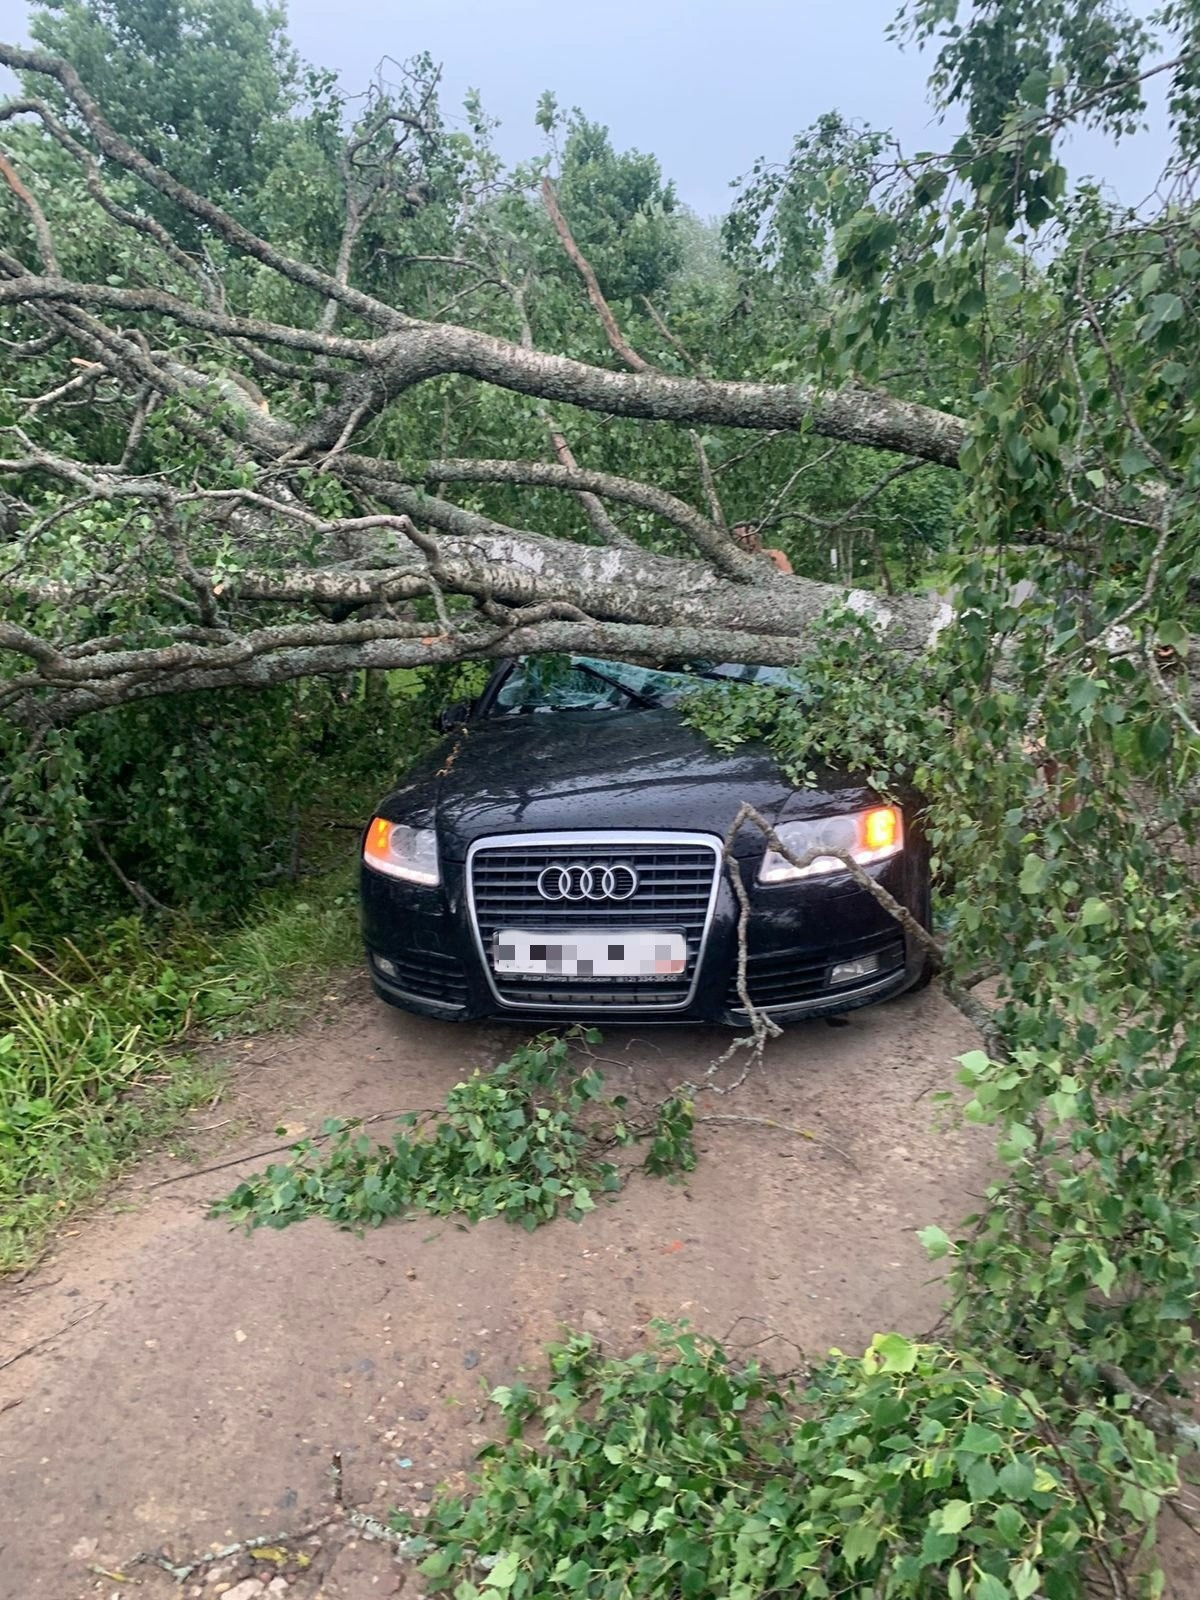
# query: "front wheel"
924,978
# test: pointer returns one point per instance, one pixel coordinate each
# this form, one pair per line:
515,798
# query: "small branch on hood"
888,901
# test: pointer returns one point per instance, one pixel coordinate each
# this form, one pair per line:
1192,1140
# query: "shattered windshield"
587,683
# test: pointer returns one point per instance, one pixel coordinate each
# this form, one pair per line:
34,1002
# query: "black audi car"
558,857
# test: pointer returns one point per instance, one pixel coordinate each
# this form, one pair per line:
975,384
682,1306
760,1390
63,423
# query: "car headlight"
865,836
401,851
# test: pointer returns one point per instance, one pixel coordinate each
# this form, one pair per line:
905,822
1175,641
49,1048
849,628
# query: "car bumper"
422,954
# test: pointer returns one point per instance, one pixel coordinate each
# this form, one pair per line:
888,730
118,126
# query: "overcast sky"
707,85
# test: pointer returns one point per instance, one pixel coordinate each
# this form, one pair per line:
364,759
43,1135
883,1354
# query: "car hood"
611,769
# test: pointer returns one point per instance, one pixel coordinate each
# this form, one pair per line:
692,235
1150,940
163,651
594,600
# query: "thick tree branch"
479,555
853,415
35,702
212,624
400,361
709,539
856,416
29,289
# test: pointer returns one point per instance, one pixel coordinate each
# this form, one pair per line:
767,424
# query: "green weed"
268,963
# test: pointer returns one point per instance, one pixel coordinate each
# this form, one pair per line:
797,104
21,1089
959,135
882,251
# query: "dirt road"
186,1386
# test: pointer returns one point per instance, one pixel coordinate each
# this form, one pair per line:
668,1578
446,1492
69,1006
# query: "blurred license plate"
616,953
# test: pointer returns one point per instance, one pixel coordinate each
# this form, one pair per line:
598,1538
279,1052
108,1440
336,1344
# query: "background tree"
207,88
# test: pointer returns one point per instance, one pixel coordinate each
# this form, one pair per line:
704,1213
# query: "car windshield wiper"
714,674
718,674
622,688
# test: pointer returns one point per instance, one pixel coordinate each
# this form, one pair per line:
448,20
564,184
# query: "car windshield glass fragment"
587,683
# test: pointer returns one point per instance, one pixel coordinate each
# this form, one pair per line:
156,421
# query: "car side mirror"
453,716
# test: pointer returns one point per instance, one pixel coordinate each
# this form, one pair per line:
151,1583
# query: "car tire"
924,978
929,966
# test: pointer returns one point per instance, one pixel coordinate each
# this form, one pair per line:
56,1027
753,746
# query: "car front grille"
791,977
676,891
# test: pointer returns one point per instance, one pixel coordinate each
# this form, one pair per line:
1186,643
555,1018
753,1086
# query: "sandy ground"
185,1386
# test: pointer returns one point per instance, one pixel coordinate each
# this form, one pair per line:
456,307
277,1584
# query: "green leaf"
1034,874
988,1587
953,1517
1016,1478
1035,86
1065,1105
1154,739
1166,307
937,1547
860,1543
1134,460
981,1479
1083,692
895,1352
975,1062
1024,1579
1009,1523
935,1242
1104,1275
1094,912
504,1574
1020,1138
981,1441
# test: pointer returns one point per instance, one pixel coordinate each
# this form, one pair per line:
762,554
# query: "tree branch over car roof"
305,500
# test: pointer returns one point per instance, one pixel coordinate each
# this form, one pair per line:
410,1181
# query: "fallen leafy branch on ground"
908,1473
527,1140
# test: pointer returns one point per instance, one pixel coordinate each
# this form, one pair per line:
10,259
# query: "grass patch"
94,1061
261,975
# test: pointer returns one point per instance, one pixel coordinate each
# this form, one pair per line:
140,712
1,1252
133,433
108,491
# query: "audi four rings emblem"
574,881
